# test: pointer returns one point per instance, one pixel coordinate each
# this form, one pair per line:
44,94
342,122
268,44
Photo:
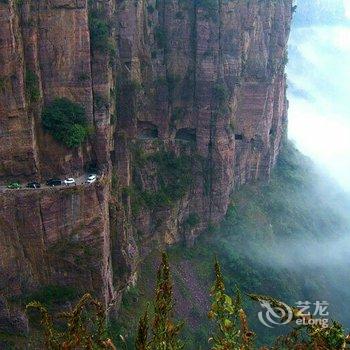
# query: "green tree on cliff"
66,122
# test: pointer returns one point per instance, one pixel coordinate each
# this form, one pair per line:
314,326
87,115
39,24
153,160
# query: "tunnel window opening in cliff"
92,167
238,137
147,130
186,134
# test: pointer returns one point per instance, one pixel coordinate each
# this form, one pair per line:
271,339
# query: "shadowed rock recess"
185,100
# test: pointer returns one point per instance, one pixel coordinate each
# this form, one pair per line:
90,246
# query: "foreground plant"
317,337
232,331
84,326
308,335
165,331
141,342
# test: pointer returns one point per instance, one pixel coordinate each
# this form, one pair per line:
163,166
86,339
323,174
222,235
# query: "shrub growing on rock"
99,33
192,221
32,86
160,37
66,121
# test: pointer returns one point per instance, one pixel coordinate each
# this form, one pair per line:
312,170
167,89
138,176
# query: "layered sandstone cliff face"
186,100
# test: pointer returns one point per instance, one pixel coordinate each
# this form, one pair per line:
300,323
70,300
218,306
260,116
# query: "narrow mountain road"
81,180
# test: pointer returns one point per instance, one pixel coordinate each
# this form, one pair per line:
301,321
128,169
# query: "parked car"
69,181
14,186
33,184
54,182
91,178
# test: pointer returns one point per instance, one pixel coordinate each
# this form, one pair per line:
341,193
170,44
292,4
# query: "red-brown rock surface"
196,86
52,236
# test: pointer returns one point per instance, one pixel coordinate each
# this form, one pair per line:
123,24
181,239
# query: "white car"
69,181
91,178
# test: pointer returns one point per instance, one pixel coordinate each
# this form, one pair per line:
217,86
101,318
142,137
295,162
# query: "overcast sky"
319,88
347,8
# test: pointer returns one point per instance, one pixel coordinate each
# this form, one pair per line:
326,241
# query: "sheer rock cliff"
186,100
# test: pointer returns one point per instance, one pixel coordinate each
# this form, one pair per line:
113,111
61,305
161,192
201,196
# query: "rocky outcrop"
214,69
53,237
186,101
18,153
